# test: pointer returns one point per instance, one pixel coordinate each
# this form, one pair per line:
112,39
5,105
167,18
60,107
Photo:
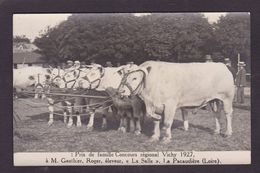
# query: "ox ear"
146,70
120,71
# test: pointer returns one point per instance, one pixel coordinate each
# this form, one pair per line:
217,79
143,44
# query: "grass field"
32,134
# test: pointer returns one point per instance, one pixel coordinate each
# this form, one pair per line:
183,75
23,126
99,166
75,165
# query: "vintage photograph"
124,85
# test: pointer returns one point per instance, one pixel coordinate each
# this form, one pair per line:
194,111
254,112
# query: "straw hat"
208,58
227,60
241,64
76,62
69,62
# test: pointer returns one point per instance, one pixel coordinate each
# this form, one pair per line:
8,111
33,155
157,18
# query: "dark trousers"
240,94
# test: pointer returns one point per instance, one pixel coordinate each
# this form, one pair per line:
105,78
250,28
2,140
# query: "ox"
132,108
164,87
78,79
30,76
109,80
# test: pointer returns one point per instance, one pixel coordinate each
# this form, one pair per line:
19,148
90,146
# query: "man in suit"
240,82
231,69
208,58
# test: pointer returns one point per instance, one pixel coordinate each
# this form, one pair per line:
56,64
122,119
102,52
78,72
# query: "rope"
71,95
83,114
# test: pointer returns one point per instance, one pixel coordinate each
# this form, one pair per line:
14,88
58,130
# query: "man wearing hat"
231,69
109,64
69,64
76,64
208,58
240,82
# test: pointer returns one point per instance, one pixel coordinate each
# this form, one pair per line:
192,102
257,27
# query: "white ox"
97,79
30,76
164,87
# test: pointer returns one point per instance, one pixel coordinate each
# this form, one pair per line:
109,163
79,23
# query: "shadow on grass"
177,124
113,123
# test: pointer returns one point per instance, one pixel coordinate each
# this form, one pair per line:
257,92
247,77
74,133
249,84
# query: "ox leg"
51,110
169,113
70,116
78,120
65,116
43,96
228,112
36,96
184,114
156,131
123,123
131,123
216,112
91,121
104,122
137,126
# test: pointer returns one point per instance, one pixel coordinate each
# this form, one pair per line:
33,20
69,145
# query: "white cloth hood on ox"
27,76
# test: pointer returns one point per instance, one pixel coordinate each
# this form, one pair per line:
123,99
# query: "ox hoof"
166,140
227,135
184,129
69,125
123,129
119,129
154,139
79,124
50,123
89,128
137,132
216,132
104,127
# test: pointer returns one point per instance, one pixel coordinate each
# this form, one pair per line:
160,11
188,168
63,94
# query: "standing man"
208,58
69,64
76,64
109,64
240,82
231,69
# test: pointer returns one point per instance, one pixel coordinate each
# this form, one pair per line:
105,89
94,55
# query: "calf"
128,107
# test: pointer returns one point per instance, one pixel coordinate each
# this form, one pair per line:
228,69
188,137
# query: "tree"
21,39
120,38
232,33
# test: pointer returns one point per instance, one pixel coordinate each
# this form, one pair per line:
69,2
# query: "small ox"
109,79
165,86
132,108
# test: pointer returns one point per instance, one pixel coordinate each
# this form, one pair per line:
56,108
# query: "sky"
31,25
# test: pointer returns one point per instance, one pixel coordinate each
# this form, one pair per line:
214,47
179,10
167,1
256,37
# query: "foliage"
21,39
232,33
175,37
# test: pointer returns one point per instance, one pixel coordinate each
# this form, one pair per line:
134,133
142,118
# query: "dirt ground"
32,134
